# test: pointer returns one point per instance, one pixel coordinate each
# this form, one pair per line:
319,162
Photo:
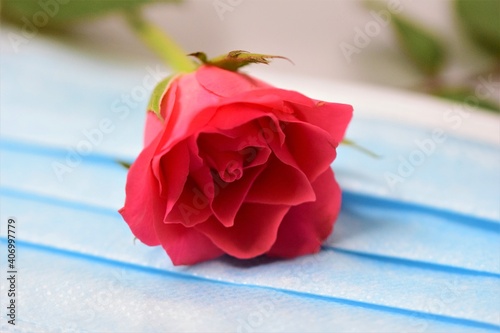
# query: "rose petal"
247,140
332,117
238,147
154,127
253,233
232,139
281,184
255,156
239,114
293,106
279,102
200,171
312,149
169,101
143,204
171,170
271,131
185,246
226,83
229,166
230,196
193,206
193,108
306,226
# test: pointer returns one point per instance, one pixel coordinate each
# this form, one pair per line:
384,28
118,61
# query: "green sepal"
234,60
362,149
201,56
158,92
421,46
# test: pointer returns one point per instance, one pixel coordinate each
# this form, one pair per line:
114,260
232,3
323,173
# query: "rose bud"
232,165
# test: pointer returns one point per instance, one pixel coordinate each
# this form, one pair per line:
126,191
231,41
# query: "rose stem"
160,43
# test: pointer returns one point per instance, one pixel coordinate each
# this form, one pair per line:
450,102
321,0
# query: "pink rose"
235,166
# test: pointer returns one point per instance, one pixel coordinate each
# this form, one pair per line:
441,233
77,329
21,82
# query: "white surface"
397,105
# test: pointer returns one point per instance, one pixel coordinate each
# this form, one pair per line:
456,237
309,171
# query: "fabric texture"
420,255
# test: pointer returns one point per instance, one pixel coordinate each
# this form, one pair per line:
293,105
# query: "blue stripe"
347,196
114,213
352,198
412,263
57,152
180,275
30,196
401,311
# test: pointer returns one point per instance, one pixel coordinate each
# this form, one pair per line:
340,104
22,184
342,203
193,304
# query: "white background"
308,32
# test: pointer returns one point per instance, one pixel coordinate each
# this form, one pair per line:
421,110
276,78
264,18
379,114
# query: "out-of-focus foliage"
57,13
420,45
467,96
481,20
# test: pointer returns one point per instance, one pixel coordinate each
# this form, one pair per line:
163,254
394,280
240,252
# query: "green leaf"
124,164
158,92
362,149
237,59
420,45
58,13
467,96
481,20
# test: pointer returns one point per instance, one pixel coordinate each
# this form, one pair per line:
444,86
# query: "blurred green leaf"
362,149
481,19
124,164
467,96
421,46
54,13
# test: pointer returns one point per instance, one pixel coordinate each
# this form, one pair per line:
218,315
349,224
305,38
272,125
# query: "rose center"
232,172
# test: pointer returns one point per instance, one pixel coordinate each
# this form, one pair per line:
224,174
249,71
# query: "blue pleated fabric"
416,247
